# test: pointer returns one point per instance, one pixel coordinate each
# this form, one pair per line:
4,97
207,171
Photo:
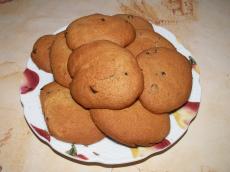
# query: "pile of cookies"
114,77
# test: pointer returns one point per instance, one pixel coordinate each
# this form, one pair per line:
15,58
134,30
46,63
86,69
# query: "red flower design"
41,132
73,152
81,156
194,106
30,81
163,144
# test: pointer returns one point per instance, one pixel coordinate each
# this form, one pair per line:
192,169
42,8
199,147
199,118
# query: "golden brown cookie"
108,76
99,27
92,53
47,89
59,55
167,79
146,39
66,120
133,126
137,21
41,51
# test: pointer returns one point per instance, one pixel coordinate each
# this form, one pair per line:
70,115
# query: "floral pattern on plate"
73,152
29,82
107,151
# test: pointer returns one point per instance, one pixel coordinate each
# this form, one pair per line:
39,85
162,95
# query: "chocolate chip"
102,19
147,53
163,73
48,92
154,87
47,118
126,73
93,90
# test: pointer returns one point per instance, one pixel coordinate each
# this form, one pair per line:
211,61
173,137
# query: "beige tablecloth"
202,26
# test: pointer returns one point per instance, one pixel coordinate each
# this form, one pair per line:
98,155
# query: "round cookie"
99,27
133,126
167,79
146,39
59,55
66,120
41,51
137,21
108,76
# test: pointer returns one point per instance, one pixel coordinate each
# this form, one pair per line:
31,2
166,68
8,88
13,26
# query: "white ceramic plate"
106,151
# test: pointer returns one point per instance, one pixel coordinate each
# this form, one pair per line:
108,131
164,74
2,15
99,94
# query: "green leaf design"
192,60
72,151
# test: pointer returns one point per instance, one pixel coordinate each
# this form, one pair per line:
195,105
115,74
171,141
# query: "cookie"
59,55
92,53
146,39
66,120
99,27
47,89
41,51
108,76
132,126
167,79
137,21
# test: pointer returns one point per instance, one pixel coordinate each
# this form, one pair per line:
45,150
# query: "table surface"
201,26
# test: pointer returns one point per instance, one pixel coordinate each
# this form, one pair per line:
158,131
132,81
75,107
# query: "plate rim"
100,161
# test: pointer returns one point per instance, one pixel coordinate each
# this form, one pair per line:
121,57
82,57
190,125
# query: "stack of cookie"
115,77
